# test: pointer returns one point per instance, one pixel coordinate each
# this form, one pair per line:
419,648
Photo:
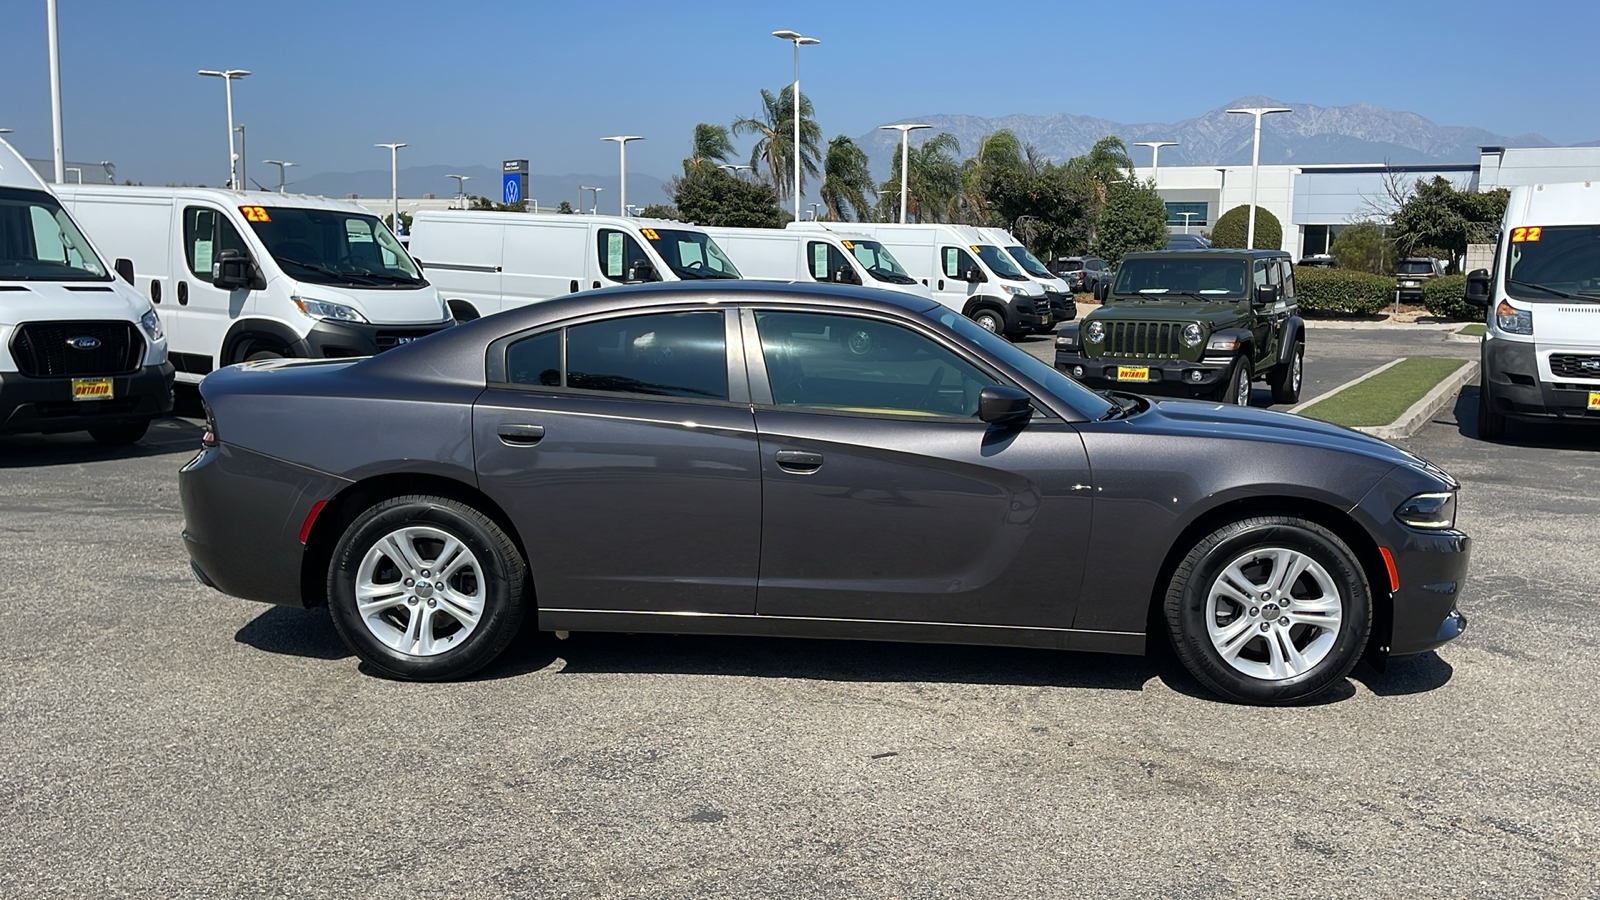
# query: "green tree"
998,170
1436,215
710,196
1134,218
846,179
773,151
933,178
1363,247
712,144
565,207
660,211
1232,229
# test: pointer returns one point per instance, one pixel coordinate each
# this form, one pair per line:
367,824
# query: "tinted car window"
956,262
535,360
825,261
207,232
850,364
665,354
618,252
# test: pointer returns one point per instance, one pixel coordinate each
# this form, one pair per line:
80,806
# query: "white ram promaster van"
1063,308
241,275
778,254
965,272
493,261
80,350
1541,352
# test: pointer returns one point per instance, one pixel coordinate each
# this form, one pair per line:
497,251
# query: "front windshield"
1414,267
1182,277
999,262
690,255
1029,262
1557,262
324,246
878,261
1090,404
39,242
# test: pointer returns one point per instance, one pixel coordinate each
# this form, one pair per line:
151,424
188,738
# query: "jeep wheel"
1236,389
1285,379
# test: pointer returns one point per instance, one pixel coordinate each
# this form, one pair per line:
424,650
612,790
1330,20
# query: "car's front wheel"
1491,422
990,321
1236,389
426,588
1269,610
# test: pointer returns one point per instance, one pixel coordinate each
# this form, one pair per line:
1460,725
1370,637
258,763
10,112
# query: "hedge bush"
1233,227
1341,292
1443,298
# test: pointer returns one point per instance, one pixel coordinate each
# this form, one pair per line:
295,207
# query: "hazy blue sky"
474,82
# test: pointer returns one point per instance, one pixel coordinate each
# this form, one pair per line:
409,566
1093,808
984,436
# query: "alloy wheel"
419,591
1273,613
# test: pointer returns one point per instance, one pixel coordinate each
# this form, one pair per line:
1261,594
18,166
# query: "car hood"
1201,418
52,301
1185,310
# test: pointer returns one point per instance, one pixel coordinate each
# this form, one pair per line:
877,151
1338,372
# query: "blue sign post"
514,181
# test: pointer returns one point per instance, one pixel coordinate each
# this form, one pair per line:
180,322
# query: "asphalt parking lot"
164,740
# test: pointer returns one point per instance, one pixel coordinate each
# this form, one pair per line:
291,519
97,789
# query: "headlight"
1014,291
151,323
1513,320
1067,337
322,309
1430,511
1192,335
1096,332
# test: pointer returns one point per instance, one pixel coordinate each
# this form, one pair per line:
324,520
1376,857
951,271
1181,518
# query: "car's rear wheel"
1285,379
426,588
120,435
1269,610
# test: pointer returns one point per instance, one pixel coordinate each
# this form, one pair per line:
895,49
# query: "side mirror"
973,275
1000,405
230,270
641,271
1266,294
124,268
846,275
1477,290
1102,291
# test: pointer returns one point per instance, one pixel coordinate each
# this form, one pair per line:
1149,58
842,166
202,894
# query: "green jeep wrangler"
1193,323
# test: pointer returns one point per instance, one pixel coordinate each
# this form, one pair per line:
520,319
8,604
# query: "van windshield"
999,262
39,242
878,261
1029,262
1556,262
325,246
1182,277
690,255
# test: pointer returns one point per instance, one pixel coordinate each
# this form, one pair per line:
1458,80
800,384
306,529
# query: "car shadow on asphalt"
1555,435
166,437
1415,675
292,631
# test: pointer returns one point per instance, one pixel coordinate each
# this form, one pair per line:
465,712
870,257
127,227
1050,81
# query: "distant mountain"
484,181
1309,135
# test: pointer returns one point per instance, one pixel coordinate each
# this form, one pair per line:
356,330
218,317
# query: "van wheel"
120,435
989,321
1285,379
1491,422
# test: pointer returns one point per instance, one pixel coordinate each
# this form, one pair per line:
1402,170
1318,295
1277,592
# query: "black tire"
499,570
1491,422
257,355
120,435
1187,601
1229,391
1285,379
990,320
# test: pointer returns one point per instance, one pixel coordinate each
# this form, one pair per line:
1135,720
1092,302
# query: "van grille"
1573,365
1142,339
41,349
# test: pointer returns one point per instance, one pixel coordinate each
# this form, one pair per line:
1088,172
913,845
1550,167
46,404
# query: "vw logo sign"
83,342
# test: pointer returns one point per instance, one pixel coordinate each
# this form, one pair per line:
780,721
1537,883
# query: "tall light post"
282,164
1155,156
1255,164
905,158
394,180
622,164
585,187
244,178
798,39
814,207
229,76
55,92
1186,217
461,188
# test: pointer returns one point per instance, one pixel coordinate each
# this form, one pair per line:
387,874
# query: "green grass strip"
1476,329
1385,396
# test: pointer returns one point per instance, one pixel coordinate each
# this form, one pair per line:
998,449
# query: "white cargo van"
778,254
493,261
963,269
1063,308
80,350
241,275
1541,352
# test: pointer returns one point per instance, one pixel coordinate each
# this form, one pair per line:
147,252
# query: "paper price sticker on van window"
1525,235
650,234
255,214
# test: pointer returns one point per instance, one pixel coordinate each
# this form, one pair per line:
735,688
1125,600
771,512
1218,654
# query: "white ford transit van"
963,269
80,350
833,257
1541,352
493,261
1063,308
241,275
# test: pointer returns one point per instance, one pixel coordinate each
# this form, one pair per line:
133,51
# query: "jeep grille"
1143,339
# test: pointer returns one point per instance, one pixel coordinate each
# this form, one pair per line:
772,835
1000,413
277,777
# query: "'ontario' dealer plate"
91,389
1133,373
1594,399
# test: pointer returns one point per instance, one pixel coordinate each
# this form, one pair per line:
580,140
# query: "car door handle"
800,462
183,293
513,435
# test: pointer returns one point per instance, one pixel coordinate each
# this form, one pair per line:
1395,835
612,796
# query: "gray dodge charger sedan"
814,461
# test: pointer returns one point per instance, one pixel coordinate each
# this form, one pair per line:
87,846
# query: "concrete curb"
1465,338
1316,324
1425,409
1344,387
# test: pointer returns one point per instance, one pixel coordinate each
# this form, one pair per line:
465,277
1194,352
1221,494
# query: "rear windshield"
1183,277
1029,262
1069,265
39,242
691,255
1415,267
325,246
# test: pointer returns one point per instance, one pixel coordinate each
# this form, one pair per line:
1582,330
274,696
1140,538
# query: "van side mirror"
1002,405
973,275
846,275
1477,290
124,268
230,270
641,271
1266,294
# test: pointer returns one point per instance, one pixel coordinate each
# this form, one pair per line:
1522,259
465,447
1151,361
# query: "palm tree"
846,179
933,178
711,144
997,152
773,126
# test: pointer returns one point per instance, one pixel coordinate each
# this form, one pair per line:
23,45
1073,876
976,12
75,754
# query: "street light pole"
228,77
622,163
905,158
594,201
55,92
461,188
1186,217
394,180
798,39
244,179
1255,165
281,164
1155,156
